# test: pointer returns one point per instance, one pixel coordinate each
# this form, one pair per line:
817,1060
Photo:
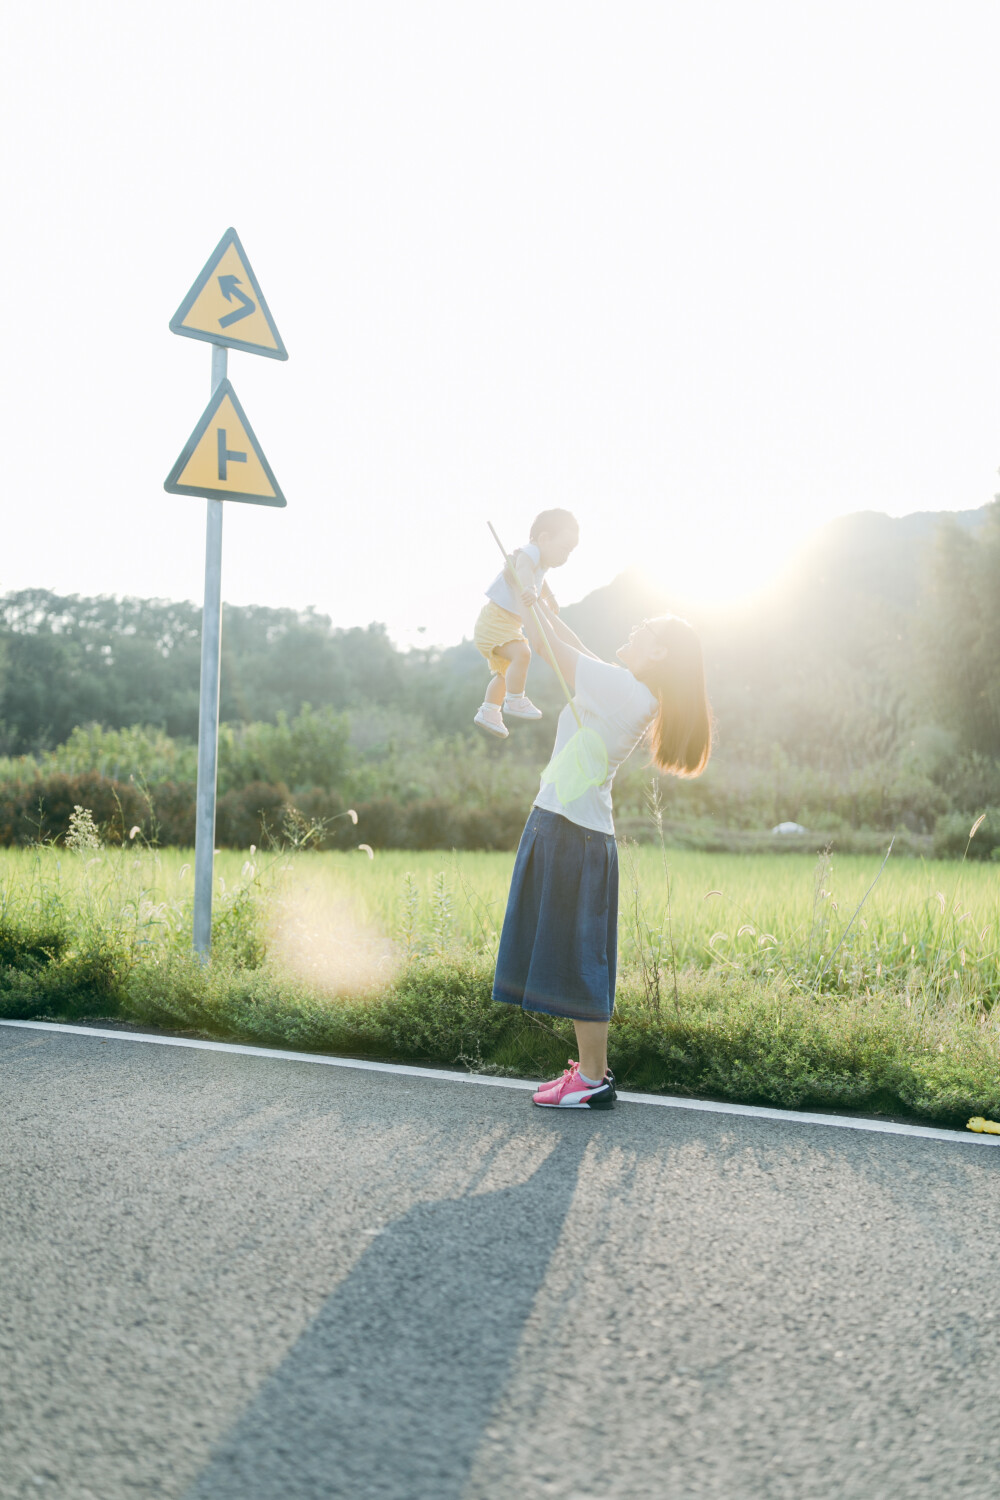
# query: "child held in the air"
499,633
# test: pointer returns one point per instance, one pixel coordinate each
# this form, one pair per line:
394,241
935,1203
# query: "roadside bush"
381,823
42,809
173,813
87,985
310,750
251,815
327,810
492,827
951,835
142,751
431,824
26,945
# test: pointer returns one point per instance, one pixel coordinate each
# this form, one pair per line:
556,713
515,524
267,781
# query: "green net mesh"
580,764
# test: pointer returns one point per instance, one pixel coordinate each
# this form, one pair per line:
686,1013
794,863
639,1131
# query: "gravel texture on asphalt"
226,1277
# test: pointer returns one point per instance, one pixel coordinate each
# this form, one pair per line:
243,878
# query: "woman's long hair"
681,733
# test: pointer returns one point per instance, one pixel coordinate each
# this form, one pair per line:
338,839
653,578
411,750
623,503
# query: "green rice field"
923,922
724,910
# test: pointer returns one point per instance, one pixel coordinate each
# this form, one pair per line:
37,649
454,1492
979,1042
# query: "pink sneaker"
570,1092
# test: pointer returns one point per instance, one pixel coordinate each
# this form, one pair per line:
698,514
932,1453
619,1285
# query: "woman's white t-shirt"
621,708
501,591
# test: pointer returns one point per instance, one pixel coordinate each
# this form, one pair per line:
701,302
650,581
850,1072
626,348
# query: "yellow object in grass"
977,1123
580,765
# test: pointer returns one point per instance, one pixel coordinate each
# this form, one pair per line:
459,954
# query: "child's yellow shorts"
495,627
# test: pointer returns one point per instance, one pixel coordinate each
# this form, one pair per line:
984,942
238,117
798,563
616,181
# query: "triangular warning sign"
226,306
223,459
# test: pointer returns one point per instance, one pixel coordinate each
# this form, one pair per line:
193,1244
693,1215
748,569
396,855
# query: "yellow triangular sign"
226,305
223,459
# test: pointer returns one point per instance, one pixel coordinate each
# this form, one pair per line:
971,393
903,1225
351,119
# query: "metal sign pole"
208,708
221,460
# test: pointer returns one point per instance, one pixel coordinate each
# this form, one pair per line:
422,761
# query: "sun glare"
719,564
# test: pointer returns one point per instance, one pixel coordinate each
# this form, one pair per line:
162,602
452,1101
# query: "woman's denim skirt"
559,945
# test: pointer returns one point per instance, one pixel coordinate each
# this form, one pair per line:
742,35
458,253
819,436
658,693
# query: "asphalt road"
239,1278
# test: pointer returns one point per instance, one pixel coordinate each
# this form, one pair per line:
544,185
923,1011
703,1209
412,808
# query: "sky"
709,274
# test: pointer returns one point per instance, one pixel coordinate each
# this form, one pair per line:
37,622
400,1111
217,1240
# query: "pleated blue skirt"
559,944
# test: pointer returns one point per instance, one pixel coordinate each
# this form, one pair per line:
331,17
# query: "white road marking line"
757,1112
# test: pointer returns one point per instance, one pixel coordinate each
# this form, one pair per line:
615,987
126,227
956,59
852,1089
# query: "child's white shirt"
501,591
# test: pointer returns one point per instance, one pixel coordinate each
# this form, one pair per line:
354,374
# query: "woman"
559,945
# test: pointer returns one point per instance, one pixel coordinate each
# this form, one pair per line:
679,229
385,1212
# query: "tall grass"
932,924
77,923
931,928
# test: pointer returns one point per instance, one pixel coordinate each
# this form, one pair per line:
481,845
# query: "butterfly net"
579,765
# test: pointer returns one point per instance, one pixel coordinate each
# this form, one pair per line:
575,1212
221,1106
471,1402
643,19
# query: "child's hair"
681,733
550,521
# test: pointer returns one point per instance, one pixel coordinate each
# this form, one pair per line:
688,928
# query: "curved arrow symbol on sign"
229,286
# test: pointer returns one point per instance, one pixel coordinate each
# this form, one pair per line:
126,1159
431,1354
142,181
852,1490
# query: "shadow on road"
388,1390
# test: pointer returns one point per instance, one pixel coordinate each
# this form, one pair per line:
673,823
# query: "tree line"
861,692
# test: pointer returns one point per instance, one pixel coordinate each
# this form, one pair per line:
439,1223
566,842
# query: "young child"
499,634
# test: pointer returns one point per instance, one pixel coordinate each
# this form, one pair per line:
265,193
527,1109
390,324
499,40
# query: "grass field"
785,979
938,921
930,920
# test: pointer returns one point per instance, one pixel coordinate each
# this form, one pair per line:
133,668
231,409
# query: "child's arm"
548,597
523,579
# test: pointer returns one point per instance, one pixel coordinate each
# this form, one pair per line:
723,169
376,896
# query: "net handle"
509,566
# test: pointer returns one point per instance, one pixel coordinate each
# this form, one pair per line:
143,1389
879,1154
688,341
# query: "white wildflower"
82,833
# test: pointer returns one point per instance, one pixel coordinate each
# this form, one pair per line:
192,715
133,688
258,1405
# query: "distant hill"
859,568
872,554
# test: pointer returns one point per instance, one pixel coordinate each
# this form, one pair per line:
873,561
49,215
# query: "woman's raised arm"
557,626
552,644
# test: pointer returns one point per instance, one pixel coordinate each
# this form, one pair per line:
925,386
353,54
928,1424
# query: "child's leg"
518,653
496,691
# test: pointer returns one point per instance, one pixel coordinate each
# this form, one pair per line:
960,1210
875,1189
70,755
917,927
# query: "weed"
409,926
82,836
442,916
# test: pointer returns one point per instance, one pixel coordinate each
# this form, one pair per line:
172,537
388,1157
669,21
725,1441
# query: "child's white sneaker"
520,706
490,718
